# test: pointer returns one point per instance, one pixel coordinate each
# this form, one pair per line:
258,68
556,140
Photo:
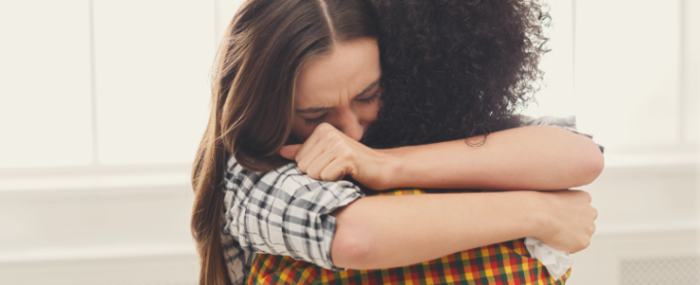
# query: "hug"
329,117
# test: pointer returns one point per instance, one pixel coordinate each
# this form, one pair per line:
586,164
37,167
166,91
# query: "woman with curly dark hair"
308,71
454,69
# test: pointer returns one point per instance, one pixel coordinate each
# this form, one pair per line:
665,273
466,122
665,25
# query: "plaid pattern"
504,263
284,212
281,212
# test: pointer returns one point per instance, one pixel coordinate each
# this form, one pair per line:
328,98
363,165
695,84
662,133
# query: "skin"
340,89
337,98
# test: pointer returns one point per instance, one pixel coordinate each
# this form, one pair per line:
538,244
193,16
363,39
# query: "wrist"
391,169
540,219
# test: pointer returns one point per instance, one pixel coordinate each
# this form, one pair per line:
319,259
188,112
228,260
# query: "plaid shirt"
284,212
506,263
281,212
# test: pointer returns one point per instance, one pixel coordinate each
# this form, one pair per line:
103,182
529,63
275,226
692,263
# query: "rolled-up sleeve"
284,212
567,123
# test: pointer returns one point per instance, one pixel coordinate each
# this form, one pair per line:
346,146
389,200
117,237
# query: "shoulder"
287,177
286,183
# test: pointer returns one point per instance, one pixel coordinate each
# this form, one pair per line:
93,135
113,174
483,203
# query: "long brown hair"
264,49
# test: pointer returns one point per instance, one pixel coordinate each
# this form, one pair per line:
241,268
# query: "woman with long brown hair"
309,71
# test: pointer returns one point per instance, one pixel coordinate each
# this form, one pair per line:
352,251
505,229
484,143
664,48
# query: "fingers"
310,153
289,151
595,214
580,193
314,166
325,151
328,154
575,224
336,170
297,151
588,197
582,244
323,131
330,163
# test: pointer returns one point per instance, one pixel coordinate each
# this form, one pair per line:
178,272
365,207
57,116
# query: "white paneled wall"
628,70
110,206
120,89
622,70
691,70
225,11
45,113
152,63
140,79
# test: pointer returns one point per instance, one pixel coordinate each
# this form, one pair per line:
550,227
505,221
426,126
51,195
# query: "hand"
328,154
569,224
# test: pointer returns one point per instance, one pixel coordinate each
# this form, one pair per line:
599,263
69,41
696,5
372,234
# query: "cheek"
369,112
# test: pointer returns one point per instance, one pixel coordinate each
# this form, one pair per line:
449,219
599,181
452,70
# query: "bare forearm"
533,158
390,231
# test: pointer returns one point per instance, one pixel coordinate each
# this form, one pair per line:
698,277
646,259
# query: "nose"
349,124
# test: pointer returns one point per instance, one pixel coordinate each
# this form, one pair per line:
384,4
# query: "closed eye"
316,121
369,99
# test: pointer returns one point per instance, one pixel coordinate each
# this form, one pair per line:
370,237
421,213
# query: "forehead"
345,72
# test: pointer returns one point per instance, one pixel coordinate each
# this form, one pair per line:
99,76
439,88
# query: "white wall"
94,185
45,85
102,105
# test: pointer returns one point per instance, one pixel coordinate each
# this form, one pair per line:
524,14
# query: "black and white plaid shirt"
281,212
284,212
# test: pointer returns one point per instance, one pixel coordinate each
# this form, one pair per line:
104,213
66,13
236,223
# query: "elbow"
349,251
598,163
351,247
593,164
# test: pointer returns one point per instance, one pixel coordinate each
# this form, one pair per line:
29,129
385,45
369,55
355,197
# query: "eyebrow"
323,109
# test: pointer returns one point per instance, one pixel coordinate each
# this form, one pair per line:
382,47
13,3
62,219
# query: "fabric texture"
284,212
497,264
567,123
281,212
557,261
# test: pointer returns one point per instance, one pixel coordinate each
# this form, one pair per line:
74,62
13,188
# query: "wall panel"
225,11
152,71
45,112
628,64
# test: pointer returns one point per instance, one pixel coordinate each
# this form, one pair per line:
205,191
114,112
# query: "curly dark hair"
453,69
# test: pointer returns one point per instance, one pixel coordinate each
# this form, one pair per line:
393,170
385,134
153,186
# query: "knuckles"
333,143
330,137
583,244
586,243
347,155
324,128
302,165
329,176
595,213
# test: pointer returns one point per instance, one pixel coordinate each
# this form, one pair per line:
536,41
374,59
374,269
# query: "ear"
289,151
